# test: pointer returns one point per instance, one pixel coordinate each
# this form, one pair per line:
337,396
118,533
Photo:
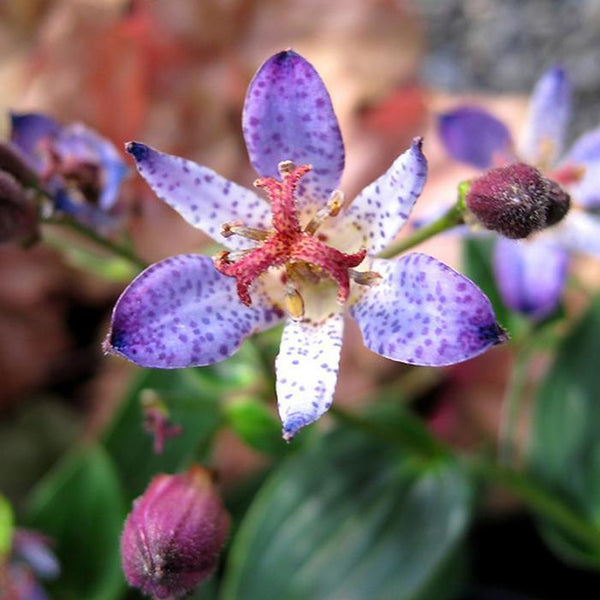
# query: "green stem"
511,404
99,240
451,218
540,501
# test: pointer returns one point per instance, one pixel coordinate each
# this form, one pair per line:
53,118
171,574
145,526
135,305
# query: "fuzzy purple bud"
18,213
174,533
517,200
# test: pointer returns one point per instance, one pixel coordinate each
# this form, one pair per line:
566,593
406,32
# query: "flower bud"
173,535
18,213
516,200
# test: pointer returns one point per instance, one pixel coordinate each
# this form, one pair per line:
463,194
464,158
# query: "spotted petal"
201,196
585,153
548,118
288,115
383,207
474,136
181,312
530,275
307,368
424,313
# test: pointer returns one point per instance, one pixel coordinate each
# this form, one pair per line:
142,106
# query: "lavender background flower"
183,312
81,170
474,136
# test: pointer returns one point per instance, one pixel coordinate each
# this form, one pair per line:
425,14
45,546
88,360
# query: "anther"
364,277
285,167
237,228
332,209
294,303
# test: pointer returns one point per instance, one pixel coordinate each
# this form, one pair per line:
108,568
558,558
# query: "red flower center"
288,245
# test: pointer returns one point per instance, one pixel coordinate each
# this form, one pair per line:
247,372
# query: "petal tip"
417,143
292,425
138,150
494,334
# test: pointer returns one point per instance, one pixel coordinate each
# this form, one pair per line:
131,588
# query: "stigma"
303,257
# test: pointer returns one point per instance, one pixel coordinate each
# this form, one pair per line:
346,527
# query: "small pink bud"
517,200
174,533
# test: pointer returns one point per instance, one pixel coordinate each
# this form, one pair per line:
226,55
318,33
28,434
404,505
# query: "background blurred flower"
474,136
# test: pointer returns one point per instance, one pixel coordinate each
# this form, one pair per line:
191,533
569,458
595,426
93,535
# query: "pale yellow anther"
237,228
294,303
332,209
364,277
285,167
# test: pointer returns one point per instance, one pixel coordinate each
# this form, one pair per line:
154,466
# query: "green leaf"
256,425
564,453
351,518
81,507
7,522
192,398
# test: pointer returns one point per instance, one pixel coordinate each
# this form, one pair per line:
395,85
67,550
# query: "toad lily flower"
531,273
304,252
80,170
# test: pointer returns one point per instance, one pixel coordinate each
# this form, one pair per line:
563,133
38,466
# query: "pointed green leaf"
565,433
350,518
81,507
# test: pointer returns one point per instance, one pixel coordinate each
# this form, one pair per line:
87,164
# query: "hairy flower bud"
517,200
18,213
173,535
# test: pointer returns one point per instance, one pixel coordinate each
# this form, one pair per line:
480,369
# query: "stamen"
225,257
369,278
237,228
332,209
305,271
285,167
294,303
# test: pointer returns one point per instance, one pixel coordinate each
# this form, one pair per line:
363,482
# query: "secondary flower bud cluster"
517,200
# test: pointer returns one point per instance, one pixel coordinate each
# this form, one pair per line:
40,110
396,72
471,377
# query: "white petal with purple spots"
383,207
530,274
182,312
307,368
424,313
548,118
201,196
288,115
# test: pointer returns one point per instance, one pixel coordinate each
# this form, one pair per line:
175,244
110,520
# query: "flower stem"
511,403
99,240
541,501
451,218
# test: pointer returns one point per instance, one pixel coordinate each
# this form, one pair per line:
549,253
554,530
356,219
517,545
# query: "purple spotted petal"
307,368
383,207
473,136
424,313
585,153
201,196
548,118
530,275
28,130
181,312
288,116
79,143
577,232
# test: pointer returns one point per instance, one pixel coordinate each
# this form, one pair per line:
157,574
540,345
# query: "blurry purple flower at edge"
531,273
305,250
80,170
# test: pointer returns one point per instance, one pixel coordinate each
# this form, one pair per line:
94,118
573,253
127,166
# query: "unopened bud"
517,200
173,535
18,213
